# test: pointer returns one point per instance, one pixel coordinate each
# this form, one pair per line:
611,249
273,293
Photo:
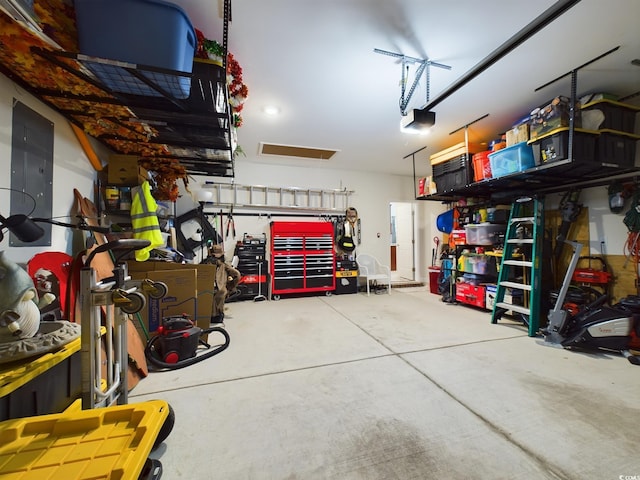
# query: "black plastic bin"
617,148
554,146
453,174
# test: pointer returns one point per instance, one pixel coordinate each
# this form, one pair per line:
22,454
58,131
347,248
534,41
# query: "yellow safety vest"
145,220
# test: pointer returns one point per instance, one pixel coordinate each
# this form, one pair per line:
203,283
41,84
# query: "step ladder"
520,266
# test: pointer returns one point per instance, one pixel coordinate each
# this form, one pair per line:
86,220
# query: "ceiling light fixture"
271,110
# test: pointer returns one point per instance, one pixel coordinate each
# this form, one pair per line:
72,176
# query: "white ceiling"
315,60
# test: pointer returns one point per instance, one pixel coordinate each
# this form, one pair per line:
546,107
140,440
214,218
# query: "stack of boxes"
604,131
615,123
190,292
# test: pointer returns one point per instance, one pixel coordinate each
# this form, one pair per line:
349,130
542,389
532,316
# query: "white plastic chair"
370,269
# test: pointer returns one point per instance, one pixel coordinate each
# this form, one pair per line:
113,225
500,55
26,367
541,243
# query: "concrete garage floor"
398,386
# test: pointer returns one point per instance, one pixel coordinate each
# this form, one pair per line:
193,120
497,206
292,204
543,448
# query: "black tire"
166,428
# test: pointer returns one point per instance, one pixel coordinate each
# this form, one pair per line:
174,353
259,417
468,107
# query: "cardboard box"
124,170
518,134
426,186
181,298
205,283
205,280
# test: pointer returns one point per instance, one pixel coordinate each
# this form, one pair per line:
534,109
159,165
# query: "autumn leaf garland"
238,91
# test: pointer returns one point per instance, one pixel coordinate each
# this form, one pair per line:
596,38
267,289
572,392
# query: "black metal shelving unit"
570,173
197,130
548,178
135,111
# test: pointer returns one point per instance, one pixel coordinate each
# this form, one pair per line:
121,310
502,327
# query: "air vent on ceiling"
296,151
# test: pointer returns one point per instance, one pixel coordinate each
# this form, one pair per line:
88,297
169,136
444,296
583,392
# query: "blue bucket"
444,222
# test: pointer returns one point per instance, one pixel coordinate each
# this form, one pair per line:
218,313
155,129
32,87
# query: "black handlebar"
123,244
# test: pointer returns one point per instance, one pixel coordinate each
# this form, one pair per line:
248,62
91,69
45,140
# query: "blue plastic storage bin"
512,159
145,32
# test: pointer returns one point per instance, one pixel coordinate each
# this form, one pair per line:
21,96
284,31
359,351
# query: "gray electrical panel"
31,169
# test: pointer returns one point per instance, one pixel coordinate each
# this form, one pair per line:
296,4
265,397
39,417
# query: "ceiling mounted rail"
544,19
578,68
424,65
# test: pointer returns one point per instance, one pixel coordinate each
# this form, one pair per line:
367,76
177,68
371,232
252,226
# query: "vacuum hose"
150,350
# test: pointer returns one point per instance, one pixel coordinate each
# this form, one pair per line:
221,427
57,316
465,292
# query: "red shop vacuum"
178,342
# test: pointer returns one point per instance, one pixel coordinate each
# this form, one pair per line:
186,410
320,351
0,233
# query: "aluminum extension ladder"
520,268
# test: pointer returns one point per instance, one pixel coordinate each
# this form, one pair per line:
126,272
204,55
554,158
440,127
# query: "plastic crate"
110,442
617,148
44,385
474,263
554,146
511,160
483,234
617,116
141,32
453,174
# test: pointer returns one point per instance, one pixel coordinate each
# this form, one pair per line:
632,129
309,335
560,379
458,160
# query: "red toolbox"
471,294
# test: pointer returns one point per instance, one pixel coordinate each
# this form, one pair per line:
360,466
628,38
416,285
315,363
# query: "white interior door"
404,219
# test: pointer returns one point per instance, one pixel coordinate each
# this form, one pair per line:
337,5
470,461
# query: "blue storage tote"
517,158
146,32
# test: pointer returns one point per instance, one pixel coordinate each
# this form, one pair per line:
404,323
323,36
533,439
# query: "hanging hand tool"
434,251
230,223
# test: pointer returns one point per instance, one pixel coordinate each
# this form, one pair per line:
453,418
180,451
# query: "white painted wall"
604,226
71,169
373,192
